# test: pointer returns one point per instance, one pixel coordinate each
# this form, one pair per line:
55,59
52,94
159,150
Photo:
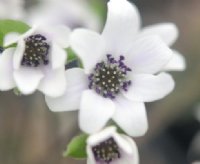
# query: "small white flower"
38,61
74,13
110,147
120,73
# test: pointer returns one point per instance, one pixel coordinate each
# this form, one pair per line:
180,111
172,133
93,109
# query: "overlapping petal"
60,35
89,46
147,88
58,56
10,38
18,54
54,82
148,55
132,158
167,31
131,116
177,63
6,70
27,79
70,100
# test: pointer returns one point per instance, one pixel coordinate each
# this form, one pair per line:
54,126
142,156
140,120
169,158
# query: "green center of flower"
36,51
106,152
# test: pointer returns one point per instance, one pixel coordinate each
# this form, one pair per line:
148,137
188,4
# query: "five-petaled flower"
121,71
108,147
37,62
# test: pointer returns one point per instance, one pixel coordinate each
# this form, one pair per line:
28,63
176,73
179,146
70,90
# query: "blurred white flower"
108,146
38,61
13,9
74,13
120,73
196,162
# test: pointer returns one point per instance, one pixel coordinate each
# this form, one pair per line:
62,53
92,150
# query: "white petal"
147,88
131,116
89,46
76,83
10,38
58,56
95,111
89,161
122,143
101,136
31,31
27,79
90,156
60,35
132,158
177,63
18,54
122,25
54,82
6,70
167,31
148,55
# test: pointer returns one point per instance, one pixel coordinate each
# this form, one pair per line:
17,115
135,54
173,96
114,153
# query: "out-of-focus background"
31,134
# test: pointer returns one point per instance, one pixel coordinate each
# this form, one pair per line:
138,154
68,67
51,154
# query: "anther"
106,151
36,51
110,76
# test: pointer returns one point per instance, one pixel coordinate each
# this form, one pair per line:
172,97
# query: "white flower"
38,61
11,9
74,13
108,146
120,73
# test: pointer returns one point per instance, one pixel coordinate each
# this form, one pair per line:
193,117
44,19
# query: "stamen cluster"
107,151
36,51
109,77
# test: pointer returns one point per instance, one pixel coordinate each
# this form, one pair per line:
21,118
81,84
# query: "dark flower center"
36,51
106,152
110,77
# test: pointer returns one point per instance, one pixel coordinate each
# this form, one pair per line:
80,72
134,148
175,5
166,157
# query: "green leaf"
7,26
119,130
77,147
99,7
71,55
17,92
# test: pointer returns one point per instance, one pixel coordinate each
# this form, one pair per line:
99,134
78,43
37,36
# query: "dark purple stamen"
106,152
110,77
36,51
